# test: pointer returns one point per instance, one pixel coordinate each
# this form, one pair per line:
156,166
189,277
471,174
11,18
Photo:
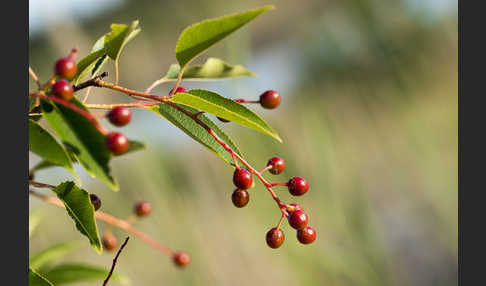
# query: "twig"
35,78
114,261
111,106
90,82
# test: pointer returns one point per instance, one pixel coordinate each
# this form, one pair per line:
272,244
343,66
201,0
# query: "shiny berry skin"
298,219
62,89
278,165
119,116
240,198
242,178
109,242
117,143
270,99
222,119
65,68
95,200
143,208
275,237
179,89
306,235
298,186
294,207
181,259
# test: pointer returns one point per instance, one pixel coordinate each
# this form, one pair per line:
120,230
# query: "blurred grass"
371,123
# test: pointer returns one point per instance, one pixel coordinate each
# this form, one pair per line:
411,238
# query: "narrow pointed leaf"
196,131
81,138
52,253
119,36
198,37
226,108
79,207
212,69
77,272
42,143
35,279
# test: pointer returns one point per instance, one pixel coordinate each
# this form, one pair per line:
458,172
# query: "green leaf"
42,143
52,253
196,131
198,37
226,108
135,146
76,272
212,69
82,139
80,208
85,65
119,36
35,279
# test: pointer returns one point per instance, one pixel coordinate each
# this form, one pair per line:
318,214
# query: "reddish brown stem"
280,184
241,100
114,261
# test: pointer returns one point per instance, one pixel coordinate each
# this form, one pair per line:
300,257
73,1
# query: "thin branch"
130,92
179,78
114,261
85,98
90,82
111,106
35,78
109,219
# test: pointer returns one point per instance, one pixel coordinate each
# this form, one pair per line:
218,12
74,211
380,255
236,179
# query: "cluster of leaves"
77,140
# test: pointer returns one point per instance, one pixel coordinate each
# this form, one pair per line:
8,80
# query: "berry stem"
111,106
73,107
264,169
114,261
280,184
179,78
121,224
241,100
50,82
280,221
35,78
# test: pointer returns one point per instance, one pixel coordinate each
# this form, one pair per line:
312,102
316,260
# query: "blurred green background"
368,117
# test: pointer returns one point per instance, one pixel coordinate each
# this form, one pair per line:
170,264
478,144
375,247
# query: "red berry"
179,89
298,219
62,89
275,237
242,178
65,68
143,208
181,259
278,165
298,186
222,119
119,116
240,198
109,241
117,143
95,200
270,99
306,235
294,207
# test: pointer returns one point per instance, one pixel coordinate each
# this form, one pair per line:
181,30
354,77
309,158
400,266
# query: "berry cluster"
297,186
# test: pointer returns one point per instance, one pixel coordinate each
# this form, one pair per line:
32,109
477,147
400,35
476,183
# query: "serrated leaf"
76,272
223,107
48,255
35,279
196,131
81,210
81,138
212,69
42,143
119,36
198,37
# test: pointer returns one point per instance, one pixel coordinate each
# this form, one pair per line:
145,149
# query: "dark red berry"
65,68
306,235
181,259
298,186
294,207
242,178
179,89
119,116
240,198
270,99
109,242
275,237
298,219
95,200
143,208
222,119
278,165
117,143
62,89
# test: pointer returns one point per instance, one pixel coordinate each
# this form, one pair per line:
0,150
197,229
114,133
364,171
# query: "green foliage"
196,131
212,69
82,139
198,37
35,279
79,207
226,108
45,145
43,258
77,272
